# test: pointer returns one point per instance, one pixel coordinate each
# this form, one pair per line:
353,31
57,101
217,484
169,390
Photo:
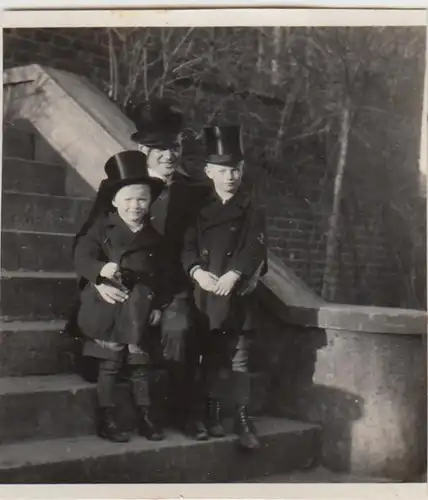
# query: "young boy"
225,253
122,249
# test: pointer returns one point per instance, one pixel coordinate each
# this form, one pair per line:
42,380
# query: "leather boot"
195,428
245,429
107,427
214,423
146,427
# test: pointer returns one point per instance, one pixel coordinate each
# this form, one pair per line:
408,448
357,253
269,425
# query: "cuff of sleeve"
95,271
193,270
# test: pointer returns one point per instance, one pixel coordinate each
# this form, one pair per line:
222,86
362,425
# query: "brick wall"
297,196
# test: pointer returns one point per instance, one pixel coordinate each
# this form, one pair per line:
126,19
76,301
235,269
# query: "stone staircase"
46,412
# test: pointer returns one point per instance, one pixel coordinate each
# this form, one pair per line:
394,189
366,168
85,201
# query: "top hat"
158,122
130,167
223,145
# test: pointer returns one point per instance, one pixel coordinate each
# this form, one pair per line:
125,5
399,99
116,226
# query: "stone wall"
374,263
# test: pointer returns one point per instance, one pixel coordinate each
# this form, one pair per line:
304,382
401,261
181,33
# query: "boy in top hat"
159,124
121,249
225,253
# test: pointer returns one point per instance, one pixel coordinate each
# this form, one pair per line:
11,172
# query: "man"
159,125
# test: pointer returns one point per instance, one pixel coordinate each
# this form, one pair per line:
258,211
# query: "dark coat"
172,214
138,254
227,237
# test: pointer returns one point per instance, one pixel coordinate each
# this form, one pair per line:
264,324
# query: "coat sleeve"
190,255
89,257
251,252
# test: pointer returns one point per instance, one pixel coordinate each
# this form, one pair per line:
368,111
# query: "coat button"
229,254
150,296
204,251
233,228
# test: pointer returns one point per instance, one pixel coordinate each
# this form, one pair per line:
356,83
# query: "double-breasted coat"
171,215
230,236
109,239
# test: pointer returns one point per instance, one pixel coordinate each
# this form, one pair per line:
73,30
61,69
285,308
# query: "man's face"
163,161
133,203
226,179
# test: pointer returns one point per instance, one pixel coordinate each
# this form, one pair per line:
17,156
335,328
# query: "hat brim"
224,160
156,185
155,141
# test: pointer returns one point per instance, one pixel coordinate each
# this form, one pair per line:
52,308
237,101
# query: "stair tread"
48,195
24,326
37,274
41,233
42,383
41,162
70,449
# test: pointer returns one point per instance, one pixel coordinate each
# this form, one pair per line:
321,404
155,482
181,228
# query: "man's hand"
110,271
226,283
111,294
155,317
206,280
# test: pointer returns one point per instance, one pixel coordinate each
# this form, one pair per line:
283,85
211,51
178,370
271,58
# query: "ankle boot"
107,427
146,427
245,429
214,423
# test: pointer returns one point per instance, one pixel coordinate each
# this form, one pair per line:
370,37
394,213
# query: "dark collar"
215,212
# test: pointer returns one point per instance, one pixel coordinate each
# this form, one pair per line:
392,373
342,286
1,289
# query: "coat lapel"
215,213
123,240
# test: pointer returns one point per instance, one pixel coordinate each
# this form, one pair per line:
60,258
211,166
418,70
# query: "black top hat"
223,145
158,122
130,167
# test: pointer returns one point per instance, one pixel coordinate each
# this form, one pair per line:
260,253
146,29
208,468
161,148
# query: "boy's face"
163,161
225,179
132,203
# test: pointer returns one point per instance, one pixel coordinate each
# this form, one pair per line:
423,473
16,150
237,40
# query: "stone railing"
358,371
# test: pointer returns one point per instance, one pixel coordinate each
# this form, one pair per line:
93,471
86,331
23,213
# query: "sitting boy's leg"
138,361
111,356
241,387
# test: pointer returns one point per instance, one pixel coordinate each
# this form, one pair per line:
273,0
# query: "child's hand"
110,271
226,283
206,280
111,294
155,317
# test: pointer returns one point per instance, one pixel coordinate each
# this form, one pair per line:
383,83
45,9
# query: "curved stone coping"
293,302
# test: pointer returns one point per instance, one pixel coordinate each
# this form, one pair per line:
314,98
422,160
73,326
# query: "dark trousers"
111,359
223,368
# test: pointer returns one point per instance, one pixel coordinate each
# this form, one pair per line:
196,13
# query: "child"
225,253
121,248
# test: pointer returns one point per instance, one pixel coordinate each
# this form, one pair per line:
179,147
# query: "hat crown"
156,119
126,165
223,144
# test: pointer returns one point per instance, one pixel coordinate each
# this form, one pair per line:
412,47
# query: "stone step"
25,175
22,140
43,213
18,142
37,295
57,406
285,445
33,348
36,251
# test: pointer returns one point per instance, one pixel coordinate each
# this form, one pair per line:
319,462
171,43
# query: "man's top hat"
130,167
223,145
158,122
